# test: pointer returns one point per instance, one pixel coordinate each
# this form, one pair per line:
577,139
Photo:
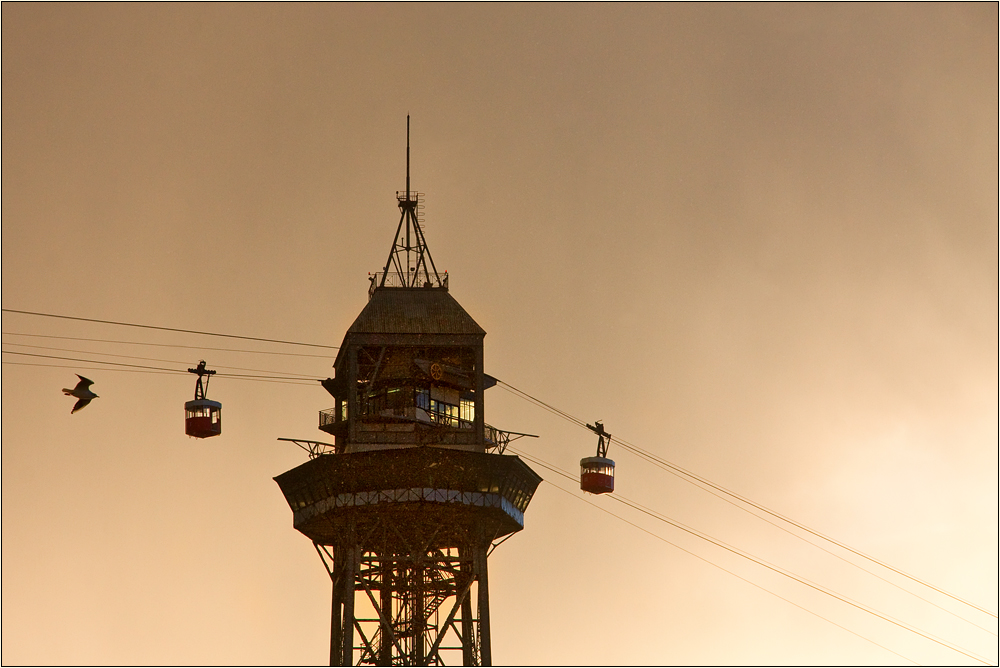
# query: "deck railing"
394,279
327,417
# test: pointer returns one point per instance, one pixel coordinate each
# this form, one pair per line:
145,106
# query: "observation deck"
425,491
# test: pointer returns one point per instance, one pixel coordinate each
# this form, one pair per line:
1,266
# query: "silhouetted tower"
405,505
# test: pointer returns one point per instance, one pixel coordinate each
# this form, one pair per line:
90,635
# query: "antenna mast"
410,264
407,156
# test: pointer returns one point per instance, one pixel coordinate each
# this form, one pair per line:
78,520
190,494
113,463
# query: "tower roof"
414,311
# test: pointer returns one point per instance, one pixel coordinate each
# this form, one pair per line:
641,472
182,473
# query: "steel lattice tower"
407,503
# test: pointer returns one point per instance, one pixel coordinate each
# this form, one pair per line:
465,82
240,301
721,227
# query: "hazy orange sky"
760,241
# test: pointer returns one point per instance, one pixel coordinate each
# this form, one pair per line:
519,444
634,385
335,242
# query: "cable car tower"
406,504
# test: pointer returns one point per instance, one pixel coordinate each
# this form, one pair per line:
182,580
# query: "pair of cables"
297,379
743,503
262,375
749,506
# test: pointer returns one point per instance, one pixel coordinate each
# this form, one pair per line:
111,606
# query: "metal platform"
446,492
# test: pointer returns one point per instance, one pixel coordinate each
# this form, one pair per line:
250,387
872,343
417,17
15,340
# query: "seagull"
81,392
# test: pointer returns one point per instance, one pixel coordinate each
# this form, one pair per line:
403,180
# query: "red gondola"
202,417
597,474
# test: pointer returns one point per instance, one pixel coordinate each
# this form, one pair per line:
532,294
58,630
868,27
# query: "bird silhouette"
81,392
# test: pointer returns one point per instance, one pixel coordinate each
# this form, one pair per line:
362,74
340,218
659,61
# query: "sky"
759,241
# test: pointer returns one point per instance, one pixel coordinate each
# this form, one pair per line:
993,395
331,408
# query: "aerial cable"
772,567
697,556
154,359
838,556
90,368
818,546
170,329
668,465
155,373
626,445
156,368
662,463
722,568
73,359
169,345
552,409
677,469
800,579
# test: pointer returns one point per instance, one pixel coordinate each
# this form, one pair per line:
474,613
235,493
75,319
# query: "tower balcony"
329,423
410,425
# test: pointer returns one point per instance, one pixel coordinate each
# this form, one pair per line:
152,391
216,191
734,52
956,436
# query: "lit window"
467,410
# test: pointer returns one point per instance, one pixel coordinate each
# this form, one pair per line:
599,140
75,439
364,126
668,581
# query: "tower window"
467,411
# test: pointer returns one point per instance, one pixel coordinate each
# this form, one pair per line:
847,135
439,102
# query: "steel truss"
409,256
497,439
413,607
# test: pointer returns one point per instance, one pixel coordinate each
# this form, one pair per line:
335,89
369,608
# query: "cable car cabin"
597,475
202,418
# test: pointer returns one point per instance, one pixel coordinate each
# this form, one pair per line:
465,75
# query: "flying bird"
81,392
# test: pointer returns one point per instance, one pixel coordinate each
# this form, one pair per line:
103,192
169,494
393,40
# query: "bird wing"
80,404
83,384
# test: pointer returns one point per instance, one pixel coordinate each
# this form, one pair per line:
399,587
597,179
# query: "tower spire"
407,156
409,264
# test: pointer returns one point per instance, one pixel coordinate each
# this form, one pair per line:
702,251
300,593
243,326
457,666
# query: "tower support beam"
406,593
485,649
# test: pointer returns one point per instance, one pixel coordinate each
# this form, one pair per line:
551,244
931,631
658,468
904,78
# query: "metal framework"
314,448
420,606
404,535
497,439
603,438
409,264
201,387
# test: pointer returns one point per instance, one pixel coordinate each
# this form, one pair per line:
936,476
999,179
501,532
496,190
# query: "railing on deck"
327,417
394,279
